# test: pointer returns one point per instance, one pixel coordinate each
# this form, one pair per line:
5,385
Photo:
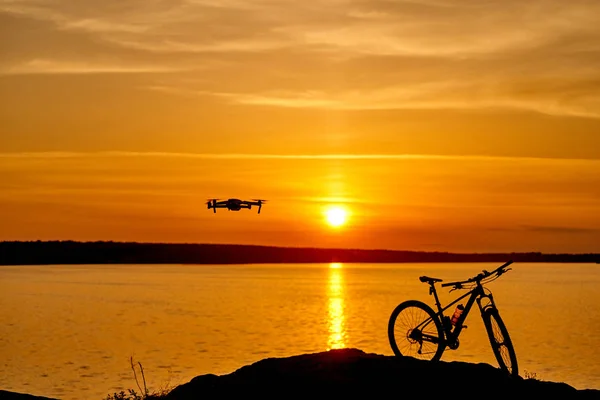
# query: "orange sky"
439,125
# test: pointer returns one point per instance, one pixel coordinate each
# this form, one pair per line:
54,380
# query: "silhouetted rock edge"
346,371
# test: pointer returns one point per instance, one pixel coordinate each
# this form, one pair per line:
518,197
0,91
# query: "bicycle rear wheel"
500,341
415,330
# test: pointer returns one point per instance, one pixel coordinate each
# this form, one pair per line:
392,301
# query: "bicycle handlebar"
479,277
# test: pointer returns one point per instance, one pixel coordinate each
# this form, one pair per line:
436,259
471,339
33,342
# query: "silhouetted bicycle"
415,330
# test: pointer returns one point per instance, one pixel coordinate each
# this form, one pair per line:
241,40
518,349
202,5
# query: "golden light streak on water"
337,318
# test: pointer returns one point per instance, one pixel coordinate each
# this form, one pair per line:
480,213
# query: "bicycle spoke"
409,334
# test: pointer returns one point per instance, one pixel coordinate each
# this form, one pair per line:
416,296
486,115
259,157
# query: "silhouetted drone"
234,204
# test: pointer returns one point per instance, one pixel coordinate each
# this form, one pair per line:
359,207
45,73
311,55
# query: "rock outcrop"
6,395
351,371
347,371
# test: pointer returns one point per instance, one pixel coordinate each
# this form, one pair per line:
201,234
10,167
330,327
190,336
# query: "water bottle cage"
447,323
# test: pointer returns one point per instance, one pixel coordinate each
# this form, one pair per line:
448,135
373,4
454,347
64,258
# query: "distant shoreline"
108,252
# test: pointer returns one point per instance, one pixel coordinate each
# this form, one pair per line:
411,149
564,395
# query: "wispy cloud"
549,98
350,55
257,156
65,18
416,28
558,229
78,67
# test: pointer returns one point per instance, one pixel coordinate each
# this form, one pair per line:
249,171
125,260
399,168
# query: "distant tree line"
108,252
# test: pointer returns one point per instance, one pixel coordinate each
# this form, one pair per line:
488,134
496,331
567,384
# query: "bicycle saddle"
429,280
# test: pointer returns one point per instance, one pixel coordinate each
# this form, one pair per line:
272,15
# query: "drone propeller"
260,203
212,203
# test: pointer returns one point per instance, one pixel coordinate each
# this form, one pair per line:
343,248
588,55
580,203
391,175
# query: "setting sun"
336,216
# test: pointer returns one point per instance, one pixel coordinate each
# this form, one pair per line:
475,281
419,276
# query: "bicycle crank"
453,345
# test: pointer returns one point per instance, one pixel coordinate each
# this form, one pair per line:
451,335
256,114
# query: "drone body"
234,204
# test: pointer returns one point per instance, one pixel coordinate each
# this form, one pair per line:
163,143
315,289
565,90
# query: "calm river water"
70,331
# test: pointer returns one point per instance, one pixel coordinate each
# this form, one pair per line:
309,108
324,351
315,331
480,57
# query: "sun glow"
336,216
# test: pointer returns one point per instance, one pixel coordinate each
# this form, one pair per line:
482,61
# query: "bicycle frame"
476,294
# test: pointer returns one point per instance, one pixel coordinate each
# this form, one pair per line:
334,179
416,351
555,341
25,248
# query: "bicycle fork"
485,301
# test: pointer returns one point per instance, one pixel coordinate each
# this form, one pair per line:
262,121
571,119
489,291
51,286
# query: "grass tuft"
530,375
144,393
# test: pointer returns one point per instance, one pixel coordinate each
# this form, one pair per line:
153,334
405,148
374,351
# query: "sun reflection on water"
337,319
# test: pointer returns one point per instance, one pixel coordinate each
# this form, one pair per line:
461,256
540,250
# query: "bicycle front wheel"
500,341
415,330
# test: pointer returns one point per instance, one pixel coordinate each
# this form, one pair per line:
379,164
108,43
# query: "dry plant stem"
144,379
145,390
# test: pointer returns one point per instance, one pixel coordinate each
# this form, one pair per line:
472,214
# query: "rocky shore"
352,371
